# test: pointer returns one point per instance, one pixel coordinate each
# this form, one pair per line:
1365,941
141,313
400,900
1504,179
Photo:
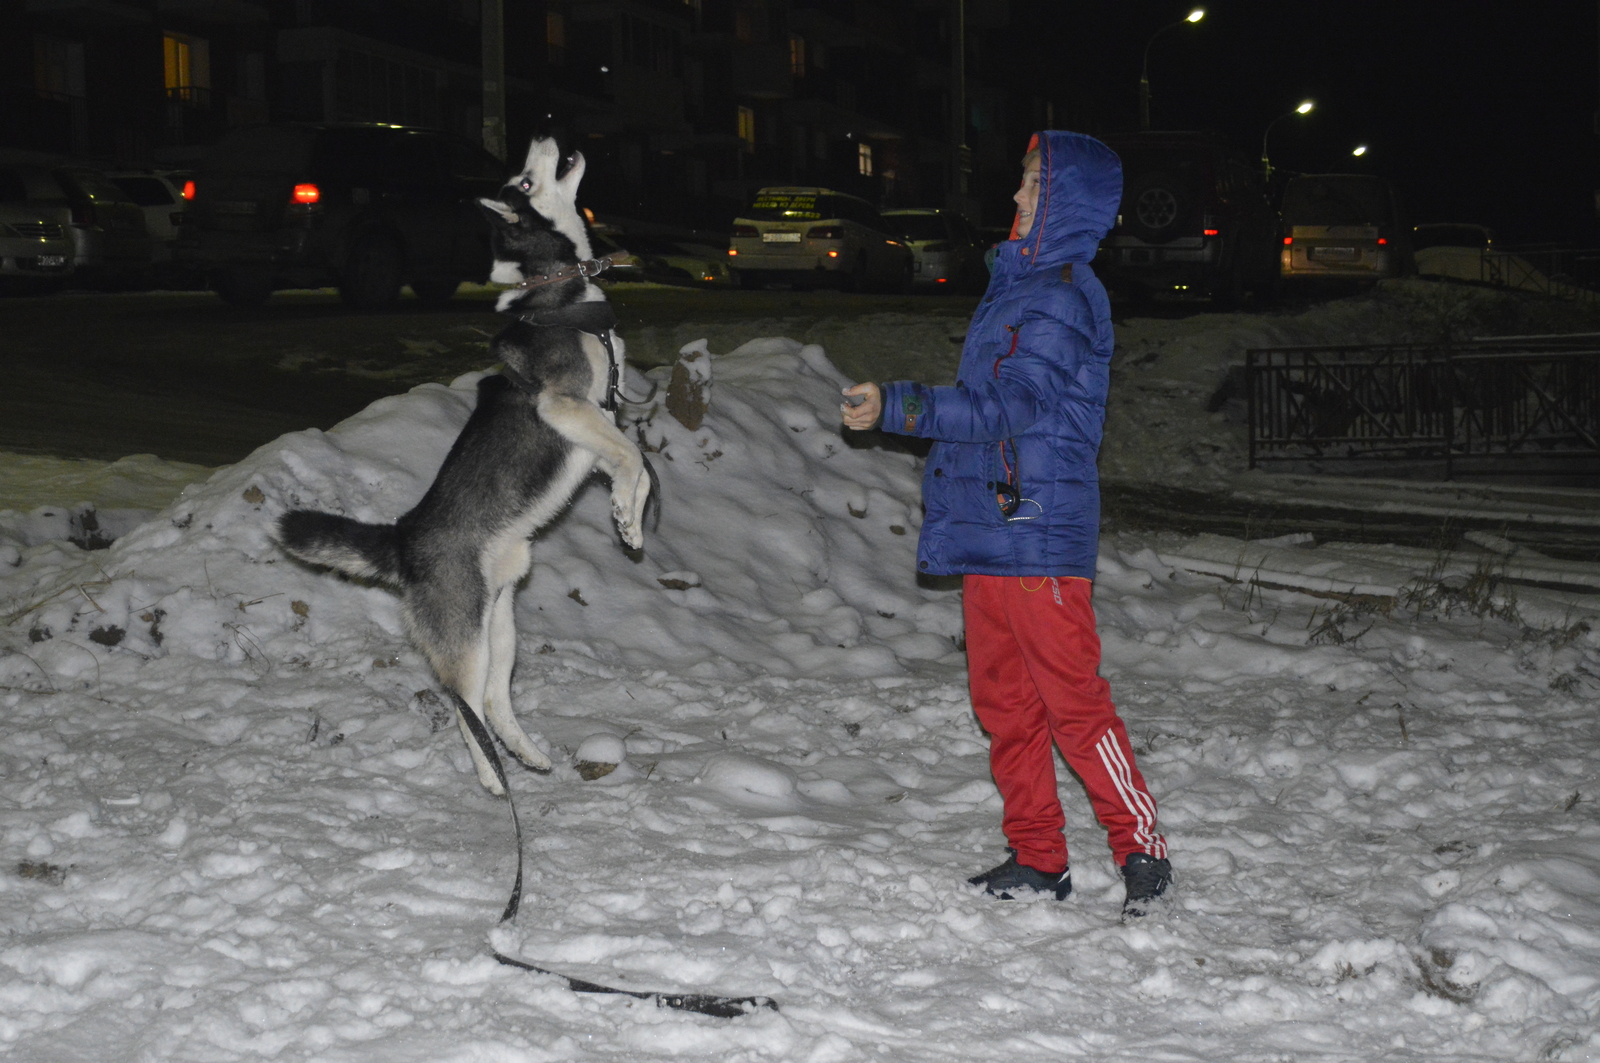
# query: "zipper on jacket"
1008,495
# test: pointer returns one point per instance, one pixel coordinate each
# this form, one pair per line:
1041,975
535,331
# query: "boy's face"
1027,198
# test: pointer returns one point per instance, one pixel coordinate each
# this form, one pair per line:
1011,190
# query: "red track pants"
1033,661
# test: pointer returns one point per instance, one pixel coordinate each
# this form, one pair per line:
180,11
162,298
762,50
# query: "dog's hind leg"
463,673
586,425
497,692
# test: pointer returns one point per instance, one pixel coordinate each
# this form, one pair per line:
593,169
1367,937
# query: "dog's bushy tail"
365,551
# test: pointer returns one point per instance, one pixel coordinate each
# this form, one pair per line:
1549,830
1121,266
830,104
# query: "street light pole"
1144,68
1305,107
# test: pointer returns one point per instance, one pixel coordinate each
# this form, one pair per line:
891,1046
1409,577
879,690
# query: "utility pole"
494,78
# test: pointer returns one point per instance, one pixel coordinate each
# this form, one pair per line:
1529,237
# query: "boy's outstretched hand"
862,408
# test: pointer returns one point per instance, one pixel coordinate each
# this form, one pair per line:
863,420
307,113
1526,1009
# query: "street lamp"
1144,70
1304,108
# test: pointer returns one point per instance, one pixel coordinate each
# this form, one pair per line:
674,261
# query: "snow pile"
237,821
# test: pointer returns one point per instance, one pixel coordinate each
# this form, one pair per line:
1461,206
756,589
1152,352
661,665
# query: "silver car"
35,247
947,250
106,232
816,236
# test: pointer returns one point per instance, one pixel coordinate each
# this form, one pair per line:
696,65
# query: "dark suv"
364,207
1194,218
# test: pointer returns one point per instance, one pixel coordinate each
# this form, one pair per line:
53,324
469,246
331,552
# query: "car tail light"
746,230
1287,240
1382,240
825,232
188,190
733,250
1213,232
833,254
940,280
305,194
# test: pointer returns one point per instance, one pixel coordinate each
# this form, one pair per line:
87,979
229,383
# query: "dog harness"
598,319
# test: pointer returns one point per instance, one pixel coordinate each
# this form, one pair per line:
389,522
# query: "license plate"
49,261
1337,254
780,238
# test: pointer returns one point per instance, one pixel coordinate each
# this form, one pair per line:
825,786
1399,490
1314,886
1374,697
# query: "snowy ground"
237,823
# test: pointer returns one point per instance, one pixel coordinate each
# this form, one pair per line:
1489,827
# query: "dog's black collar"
596,318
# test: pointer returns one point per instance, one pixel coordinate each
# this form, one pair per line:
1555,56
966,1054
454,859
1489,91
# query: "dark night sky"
1477,110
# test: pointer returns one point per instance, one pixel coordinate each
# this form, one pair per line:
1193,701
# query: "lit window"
864,159
187,63
797,56
747,127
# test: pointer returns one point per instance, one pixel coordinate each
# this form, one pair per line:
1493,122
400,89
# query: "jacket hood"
1080,188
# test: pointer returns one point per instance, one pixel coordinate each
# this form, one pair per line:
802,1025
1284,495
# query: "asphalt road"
184,377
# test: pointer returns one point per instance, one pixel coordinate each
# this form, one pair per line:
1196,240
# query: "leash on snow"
703,1003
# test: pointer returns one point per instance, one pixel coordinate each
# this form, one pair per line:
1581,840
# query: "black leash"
703,1003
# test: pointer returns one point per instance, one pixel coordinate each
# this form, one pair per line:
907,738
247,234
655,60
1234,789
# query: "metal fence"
1565,273
1515,396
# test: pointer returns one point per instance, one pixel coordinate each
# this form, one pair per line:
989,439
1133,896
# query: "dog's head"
535,224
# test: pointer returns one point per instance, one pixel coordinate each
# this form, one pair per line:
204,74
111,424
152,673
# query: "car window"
145,191
412,160
12,187
359,157
1352,200
270,149
788,206
917,226
93,185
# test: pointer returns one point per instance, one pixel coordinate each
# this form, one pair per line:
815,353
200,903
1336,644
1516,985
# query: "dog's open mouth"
568,161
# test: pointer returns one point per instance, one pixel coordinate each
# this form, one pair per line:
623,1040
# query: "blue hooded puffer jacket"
1022,424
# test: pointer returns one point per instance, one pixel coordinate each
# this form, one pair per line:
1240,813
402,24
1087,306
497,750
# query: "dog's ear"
499,212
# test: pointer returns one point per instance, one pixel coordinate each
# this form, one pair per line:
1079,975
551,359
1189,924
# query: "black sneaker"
1011,878
1146,878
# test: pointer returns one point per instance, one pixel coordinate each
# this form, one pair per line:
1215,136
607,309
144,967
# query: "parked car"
1342,227
677,262
368,208
1453,250
160,196
1194,218
947,250
109,246
35,246
817,236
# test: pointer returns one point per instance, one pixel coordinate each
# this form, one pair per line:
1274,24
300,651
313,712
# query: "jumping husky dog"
537,432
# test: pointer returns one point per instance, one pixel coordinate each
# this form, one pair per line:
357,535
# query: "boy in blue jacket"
1012,501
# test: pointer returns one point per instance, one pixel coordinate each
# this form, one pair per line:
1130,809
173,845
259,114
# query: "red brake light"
1212,232
306,194
746,230
188,190
1287,240
1382,240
